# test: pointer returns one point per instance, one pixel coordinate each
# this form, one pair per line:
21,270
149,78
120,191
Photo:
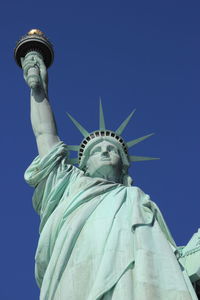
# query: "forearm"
43,123
42,119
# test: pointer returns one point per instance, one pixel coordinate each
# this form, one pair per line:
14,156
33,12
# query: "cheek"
118,161
116,157
90,163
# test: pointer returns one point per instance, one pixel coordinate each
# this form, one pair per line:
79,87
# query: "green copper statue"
100,237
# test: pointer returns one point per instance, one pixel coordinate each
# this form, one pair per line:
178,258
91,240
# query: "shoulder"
138,191
54,164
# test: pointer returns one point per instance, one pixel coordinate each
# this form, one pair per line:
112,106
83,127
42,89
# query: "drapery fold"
97,237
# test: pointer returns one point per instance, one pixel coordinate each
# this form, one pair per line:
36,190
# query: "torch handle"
33,77
33,74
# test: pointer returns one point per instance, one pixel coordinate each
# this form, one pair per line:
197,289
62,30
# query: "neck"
110,175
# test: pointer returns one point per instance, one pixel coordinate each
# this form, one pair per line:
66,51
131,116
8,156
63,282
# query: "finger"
42,67
40,63
30,56
22,61
43,70
40,60
28,60
28,65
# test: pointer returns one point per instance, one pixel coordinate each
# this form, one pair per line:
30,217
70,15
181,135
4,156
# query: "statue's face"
104,159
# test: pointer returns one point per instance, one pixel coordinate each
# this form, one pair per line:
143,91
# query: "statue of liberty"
100,237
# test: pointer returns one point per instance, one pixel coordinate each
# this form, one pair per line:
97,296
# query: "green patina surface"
100,237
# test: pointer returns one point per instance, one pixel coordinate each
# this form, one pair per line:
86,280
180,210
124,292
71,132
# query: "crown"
103,133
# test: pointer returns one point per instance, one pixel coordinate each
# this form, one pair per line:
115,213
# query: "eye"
95,151
112,149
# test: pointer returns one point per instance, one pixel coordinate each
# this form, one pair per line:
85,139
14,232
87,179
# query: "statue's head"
105,157
104,153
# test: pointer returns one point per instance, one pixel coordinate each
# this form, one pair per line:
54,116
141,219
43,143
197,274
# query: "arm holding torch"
35,75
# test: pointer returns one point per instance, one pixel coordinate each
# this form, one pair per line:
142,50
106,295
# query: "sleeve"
50,176
40,168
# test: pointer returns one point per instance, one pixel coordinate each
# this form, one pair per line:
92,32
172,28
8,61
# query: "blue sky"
134,54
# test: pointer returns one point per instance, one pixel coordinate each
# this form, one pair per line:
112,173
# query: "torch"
34,41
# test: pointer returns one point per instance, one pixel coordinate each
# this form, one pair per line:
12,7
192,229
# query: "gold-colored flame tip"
35,31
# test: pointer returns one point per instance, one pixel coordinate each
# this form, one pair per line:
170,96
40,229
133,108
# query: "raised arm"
42,118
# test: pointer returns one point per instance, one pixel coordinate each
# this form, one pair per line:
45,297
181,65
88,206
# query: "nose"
105,152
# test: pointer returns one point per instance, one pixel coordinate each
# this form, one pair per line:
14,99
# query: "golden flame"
35,31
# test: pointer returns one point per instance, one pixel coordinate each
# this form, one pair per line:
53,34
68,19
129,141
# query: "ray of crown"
103,132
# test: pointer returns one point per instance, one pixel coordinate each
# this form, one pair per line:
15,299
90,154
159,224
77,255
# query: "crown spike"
101,116
73,147
121,128
141,158
136,141
83,131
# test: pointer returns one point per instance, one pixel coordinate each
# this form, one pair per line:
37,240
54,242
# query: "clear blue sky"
134,54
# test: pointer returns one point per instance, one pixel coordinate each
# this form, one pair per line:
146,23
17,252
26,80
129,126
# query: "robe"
100,240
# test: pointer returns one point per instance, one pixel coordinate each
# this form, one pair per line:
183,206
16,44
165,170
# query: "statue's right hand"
35,73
